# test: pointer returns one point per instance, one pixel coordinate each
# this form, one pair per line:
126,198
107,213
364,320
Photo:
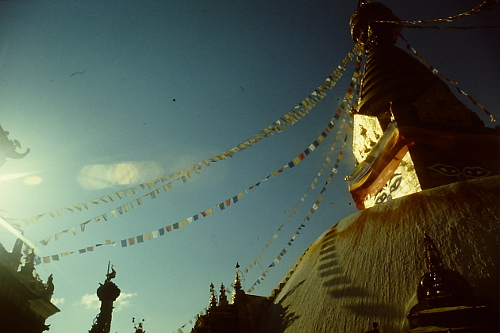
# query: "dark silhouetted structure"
107,293
241,315
24,298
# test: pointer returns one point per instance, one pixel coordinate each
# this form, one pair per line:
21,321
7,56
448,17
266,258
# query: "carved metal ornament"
8,147
446,301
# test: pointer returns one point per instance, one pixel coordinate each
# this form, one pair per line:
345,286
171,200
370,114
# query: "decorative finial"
223,298
213,298
444,296
138,326
238,292
112,274
432,255
368,26
237,282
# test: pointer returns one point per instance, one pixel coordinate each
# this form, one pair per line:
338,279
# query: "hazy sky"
111,94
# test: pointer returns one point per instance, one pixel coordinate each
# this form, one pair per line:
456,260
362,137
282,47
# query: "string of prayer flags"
290,118
319,198
160,232
116,212
351,94
473,11
313,209
191,321
221,206
444,27
441,76
345,106
295,209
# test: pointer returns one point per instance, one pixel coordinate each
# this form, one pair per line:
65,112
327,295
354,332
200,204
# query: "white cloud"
121,302
92,302
57,301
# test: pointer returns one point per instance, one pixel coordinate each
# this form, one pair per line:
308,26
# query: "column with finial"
107,294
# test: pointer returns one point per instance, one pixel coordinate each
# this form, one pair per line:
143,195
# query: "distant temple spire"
223,297
213,298
107,293
242,315
238,290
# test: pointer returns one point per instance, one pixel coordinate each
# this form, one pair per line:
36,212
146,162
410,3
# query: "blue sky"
150,87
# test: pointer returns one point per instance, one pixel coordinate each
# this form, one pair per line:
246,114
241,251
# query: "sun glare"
33,180
101,176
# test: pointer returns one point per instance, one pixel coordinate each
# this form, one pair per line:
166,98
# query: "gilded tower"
411,132
425,262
